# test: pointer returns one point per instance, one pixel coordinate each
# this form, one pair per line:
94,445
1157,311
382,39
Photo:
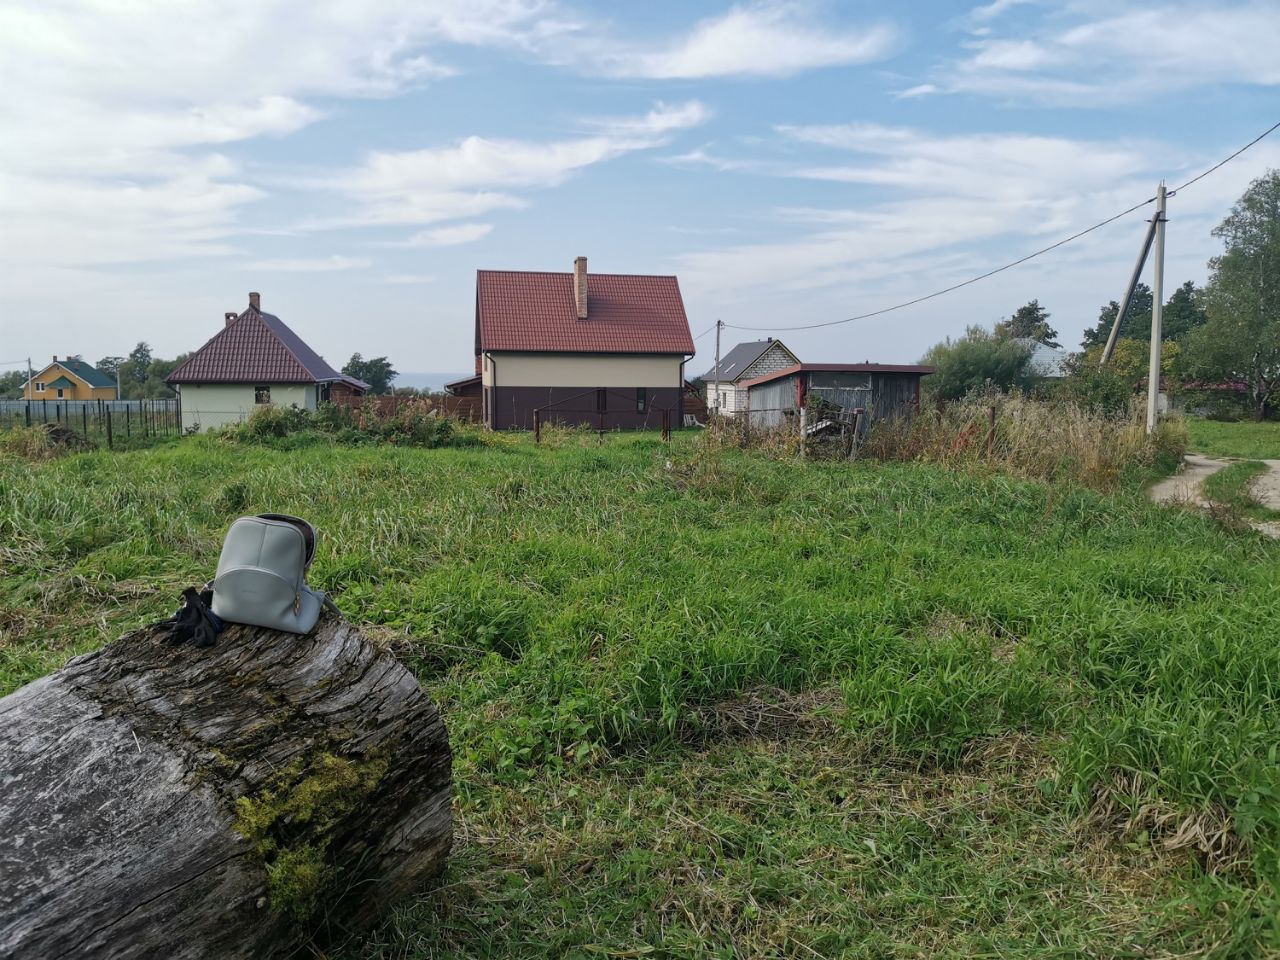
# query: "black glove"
194,621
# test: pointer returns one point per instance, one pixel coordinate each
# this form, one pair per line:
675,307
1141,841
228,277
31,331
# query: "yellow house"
69,379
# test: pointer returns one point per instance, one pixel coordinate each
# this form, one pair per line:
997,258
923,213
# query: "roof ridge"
280,340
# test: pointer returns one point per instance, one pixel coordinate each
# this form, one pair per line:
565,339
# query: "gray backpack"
261,574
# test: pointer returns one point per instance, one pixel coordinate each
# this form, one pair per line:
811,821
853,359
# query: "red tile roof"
843,368
529,311
255,347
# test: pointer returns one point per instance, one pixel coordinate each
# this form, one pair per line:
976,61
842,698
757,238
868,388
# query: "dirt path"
1267,486
1187,487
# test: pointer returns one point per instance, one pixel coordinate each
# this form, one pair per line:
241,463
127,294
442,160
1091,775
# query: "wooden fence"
110,420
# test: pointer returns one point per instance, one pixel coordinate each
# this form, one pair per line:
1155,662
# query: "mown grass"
723,705
1250,440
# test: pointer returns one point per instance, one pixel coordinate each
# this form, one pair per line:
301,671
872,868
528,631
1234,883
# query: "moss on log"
239,801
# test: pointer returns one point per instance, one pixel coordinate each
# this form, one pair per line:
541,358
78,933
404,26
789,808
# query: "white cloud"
919,90
109,109
477,175
1122,53
762,39
449,236
994,9
310,264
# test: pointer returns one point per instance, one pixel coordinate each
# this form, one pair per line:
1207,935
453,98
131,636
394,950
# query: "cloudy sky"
791,162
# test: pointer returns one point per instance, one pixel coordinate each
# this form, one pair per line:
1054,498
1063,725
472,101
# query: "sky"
356,161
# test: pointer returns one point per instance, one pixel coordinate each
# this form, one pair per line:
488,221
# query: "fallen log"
244,800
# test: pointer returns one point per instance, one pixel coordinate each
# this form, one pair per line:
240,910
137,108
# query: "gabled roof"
85,371
528,311
916,368
255,347
735,363
63,382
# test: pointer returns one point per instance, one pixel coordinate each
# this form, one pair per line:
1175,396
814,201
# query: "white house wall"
581,370
212,405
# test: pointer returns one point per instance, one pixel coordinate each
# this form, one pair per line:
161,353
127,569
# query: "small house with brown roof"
603,349
255,359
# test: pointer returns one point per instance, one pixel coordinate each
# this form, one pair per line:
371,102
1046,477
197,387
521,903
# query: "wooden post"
666,426
84,420
537,426
804,423
991,431
109,443
128,418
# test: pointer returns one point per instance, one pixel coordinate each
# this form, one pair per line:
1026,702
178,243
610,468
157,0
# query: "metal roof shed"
883,390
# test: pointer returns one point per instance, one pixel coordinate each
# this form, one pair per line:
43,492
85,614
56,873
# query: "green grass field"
728,706
1246,439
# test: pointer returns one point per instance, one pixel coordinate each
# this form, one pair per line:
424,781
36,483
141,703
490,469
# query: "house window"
39,386
601,400
322,392
59,393
642,399
261,394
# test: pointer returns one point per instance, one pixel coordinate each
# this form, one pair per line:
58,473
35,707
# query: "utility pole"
1157,315
716,381
31,386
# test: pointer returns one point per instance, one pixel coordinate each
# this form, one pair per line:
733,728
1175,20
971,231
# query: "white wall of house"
582,370
212,405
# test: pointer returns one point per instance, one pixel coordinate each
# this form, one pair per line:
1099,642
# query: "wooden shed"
883,391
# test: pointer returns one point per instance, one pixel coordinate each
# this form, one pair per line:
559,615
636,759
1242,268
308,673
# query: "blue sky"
791,162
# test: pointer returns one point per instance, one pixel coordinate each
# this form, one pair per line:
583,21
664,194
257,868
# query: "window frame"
40,386
642,399
262,394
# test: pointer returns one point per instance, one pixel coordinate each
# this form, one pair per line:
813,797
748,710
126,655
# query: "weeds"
705,702
1041,440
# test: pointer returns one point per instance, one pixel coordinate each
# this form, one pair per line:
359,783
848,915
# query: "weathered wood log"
239,801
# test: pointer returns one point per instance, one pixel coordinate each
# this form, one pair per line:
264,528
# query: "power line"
1019,261
706,331
1226,161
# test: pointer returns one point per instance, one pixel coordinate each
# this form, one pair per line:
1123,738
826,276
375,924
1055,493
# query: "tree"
1183,313
976,360
1030,321
138,363
1137,325
11,384
111,365
376,372
1240,342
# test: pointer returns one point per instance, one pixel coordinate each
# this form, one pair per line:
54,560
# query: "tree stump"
243,800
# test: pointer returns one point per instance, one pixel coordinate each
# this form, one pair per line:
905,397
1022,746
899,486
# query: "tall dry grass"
1038,439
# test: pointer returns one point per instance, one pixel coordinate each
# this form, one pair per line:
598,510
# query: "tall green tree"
1183,312
1031,322
138,364
1136,325
1240,342
377,372
978,359
110,365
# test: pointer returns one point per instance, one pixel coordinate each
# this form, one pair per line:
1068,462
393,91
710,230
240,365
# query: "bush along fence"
114,421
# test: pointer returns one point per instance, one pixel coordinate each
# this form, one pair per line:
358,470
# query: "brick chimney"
580,286
229,317
255,301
